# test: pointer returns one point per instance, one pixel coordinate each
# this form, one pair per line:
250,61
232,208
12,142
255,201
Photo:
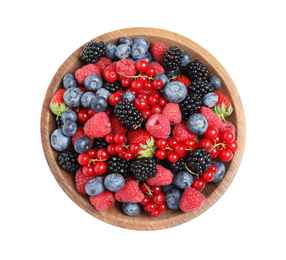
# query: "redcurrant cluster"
154,200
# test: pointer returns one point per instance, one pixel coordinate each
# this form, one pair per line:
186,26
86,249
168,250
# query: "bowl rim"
125,221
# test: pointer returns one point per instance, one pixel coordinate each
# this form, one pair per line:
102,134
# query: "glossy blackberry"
190,105
113,86
198,160
99,143
143,168
68,161
60,123
172,58
197,71
93,51
117,165
178,166
201,87
128,115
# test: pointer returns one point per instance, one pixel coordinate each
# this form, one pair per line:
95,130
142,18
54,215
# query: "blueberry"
210,99
59,141
82,145
219,174
131,209
183,180
142,41
72,96
94,186
138,51
129,96
197,124
103,92
93,82
98,104
86,98
216,82
69,114
122,51
186,59
166,188
126,40
162,77
69,81
114,182
175,91
172,73
69,127
110,51
149,57
173,197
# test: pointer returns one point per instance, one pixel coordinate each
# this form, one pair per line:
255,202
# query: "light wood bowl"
114,215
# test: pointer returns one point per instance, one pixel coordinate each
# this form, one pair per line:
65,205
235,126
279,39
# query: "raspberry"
227,126
191,200
129,193
81,180
103,200
103,63
158,126
157,50
80,133
173,113
213,119
97,126
163,177
110,66
158,68
182,133
185,80
83,72
126,68
116,126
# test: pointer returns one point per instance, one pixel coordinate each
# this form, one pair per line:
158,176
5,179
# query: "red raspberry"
213,119
81,180
83,72
103,63
158,68
163,177
182,133
158,126
103,200
80,133
173,113
191,200
186,81
227,126
116,126
130,193
111,66
157,50
126,68
97,126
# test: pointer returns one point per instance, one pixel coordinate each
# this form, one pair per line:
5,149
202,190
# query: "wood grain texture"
114,215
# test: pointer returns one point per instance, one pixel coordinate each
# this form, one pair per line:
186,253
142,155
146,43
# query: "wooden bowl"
114,215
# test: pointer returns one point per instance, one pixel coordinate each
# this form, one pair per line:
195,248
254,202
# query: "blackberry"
99,143
172,58
128,115
198,160
190,105
68,161
60,123
143,168
201,87
117,165
93,51
197,71
178,166
113,86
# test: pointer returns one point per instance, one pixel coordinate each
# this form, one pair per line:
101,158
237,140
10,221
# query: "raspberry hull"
144,125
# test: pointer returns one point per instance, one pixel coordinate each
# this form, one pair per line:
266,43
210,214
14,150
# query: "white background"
39,221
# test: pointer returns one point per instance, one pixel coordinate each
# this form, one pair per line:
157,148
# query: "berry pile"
144,125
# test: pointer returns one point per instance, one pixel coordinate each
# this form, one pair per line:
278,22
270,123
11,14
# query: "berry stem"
95,160
136,77
191,171
223,144
149,191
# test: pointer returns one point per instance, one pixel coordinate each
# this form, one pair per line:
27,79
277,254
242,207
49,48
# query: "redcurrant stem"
149,191
95,160
191,171
223,144
136,77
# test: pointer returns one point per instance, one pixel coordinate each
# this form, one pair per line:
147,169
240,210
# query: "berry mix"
143,125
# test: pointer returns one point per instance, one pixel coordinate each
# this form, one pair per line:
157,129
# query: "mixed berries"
143,125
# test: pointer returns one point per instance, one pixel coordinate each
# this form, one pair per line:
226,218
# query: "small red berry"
146,114
157,84
161,154
190,144
114,98
134,148
155,213
111,149
137,85
162,143
148,85
120,92
90,112
125,82
142,65
208,175
156,109
83,159
227,136
206,143
82,116
100,167
119,149
159,198
162,101
211,133
172,142
102,154
145,188
162,207
128,155
156,189
151,72
225,155
145,201
91,153
198,184
109,138
88,170
180,149
110,75
150,207
119,138
233,146
141,103
153,99
173,157
214,152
